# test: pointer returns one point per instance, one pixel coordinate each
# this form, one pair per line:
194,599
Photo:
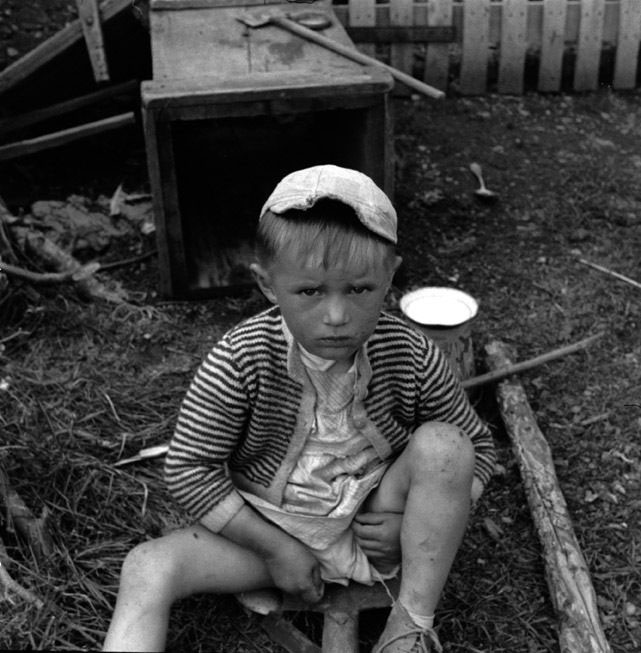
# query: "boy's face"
330,312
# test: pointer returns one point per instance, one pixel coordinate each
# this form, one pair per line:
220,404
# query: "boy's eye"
359,290
309,292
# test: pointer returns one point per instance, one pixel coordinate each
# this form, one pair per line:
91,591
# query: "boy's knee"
148,571
442,448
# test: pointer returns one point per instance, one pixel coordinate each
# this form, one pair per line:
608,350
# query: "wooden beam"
53,46
89,15
13,124
566,570
33,145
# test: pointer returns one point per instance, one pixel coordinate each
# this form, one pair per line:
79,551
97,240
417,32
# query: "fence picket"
362,13
586,70
402,54
513,45
552,45
625,67
561,32
437,55
476,36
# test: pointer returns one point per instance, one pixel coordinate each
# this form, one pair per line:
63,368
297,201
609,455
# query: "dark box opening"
227,167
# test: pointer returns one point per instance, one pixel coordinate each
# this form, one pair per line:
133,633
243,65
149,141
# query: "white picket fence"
576,44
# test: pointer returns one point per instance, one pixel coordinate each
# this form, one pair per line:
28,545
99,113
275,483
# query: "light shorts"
330,539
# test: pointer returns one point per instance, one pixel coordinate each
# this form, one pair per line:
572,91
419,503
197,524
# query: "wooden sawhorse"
340,607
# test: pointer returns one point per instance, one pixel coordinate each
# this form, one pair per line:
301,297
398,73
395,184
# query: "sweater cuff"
221,514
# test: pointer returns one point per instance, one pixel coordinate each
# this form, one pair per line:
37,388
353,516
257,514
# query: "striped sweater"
249,409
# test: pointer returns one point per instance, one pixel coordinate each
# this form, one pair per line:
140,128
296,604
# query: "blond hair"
326,235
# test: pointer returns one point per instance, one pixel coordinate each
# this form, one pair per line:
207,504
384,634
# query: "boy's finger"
369,518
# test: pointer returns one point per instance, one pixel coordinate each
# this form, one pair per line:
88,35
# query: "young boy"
321,440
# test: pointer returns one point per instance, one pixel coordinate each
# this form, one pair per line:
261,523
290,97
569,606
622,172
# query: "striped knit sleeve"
210,423
443,399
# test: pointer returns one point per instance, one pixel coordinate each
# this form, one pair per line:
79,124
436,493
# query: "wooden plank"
181,5
55,45
552,45
476,30
288,636
437,56
256,87
362,13
13,124
566,570
586,71
513,46
89,16
33,145
403,34
189,44
402,54
625,67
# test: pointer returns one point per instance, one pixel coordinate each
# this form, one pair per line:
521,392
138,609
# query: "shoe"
402,635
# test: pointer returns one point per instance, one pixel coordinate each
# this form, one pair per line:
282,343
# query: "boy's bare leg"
157,573
430,484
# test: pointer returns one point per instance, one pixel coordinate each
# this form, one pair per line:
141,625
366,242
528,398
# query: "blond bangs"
326,237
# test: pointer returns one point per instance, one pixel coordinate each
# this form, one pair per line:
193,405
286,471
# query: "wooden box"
229,112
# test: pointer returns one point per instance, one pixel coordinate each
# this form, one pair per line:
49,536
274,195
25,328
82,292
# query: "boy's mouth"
335,341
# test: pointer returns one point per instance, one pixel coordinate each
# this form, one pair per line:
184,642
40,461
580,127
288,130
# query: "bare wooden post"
566,570
92,29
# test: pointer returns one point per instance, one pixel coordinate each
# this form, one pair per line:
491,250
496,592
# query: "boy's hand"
477,491
296,571
379,535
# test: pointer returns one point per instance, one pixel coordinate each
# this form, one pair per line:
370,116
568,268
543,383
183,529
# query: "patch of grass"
86,385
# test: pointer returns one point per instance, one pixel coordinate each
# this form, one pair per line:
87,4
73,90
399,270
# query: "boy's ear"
394,268
263,279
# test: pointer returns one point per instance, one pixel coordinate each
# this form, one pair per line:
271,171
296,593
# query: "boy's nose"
336,312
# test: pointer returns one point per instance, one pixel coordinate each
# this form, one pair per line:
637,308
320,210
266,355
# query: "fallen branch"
127,261
616,275
566,570
48,277
517,368
64,136
53,256
32,528
8,585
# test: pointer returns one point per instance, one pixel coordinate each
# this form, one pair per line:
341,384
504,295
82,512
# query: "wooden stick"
53,46
344,50
89,15
516,368
29,526
14,123
616,275
566,570
65,264
8,584
33,145
34,277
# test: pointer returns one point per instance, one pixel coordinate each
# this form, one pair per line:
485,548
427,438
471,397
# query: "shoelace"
425,638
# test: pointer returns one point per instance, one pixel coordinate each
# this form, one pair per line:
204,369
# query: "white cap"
303,188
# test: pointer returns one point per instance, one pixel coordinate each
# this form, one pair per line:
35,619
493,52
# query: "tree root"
10,586
32,528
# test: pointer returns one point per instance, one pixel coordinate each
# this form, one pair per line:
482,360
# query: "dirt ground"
85,384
